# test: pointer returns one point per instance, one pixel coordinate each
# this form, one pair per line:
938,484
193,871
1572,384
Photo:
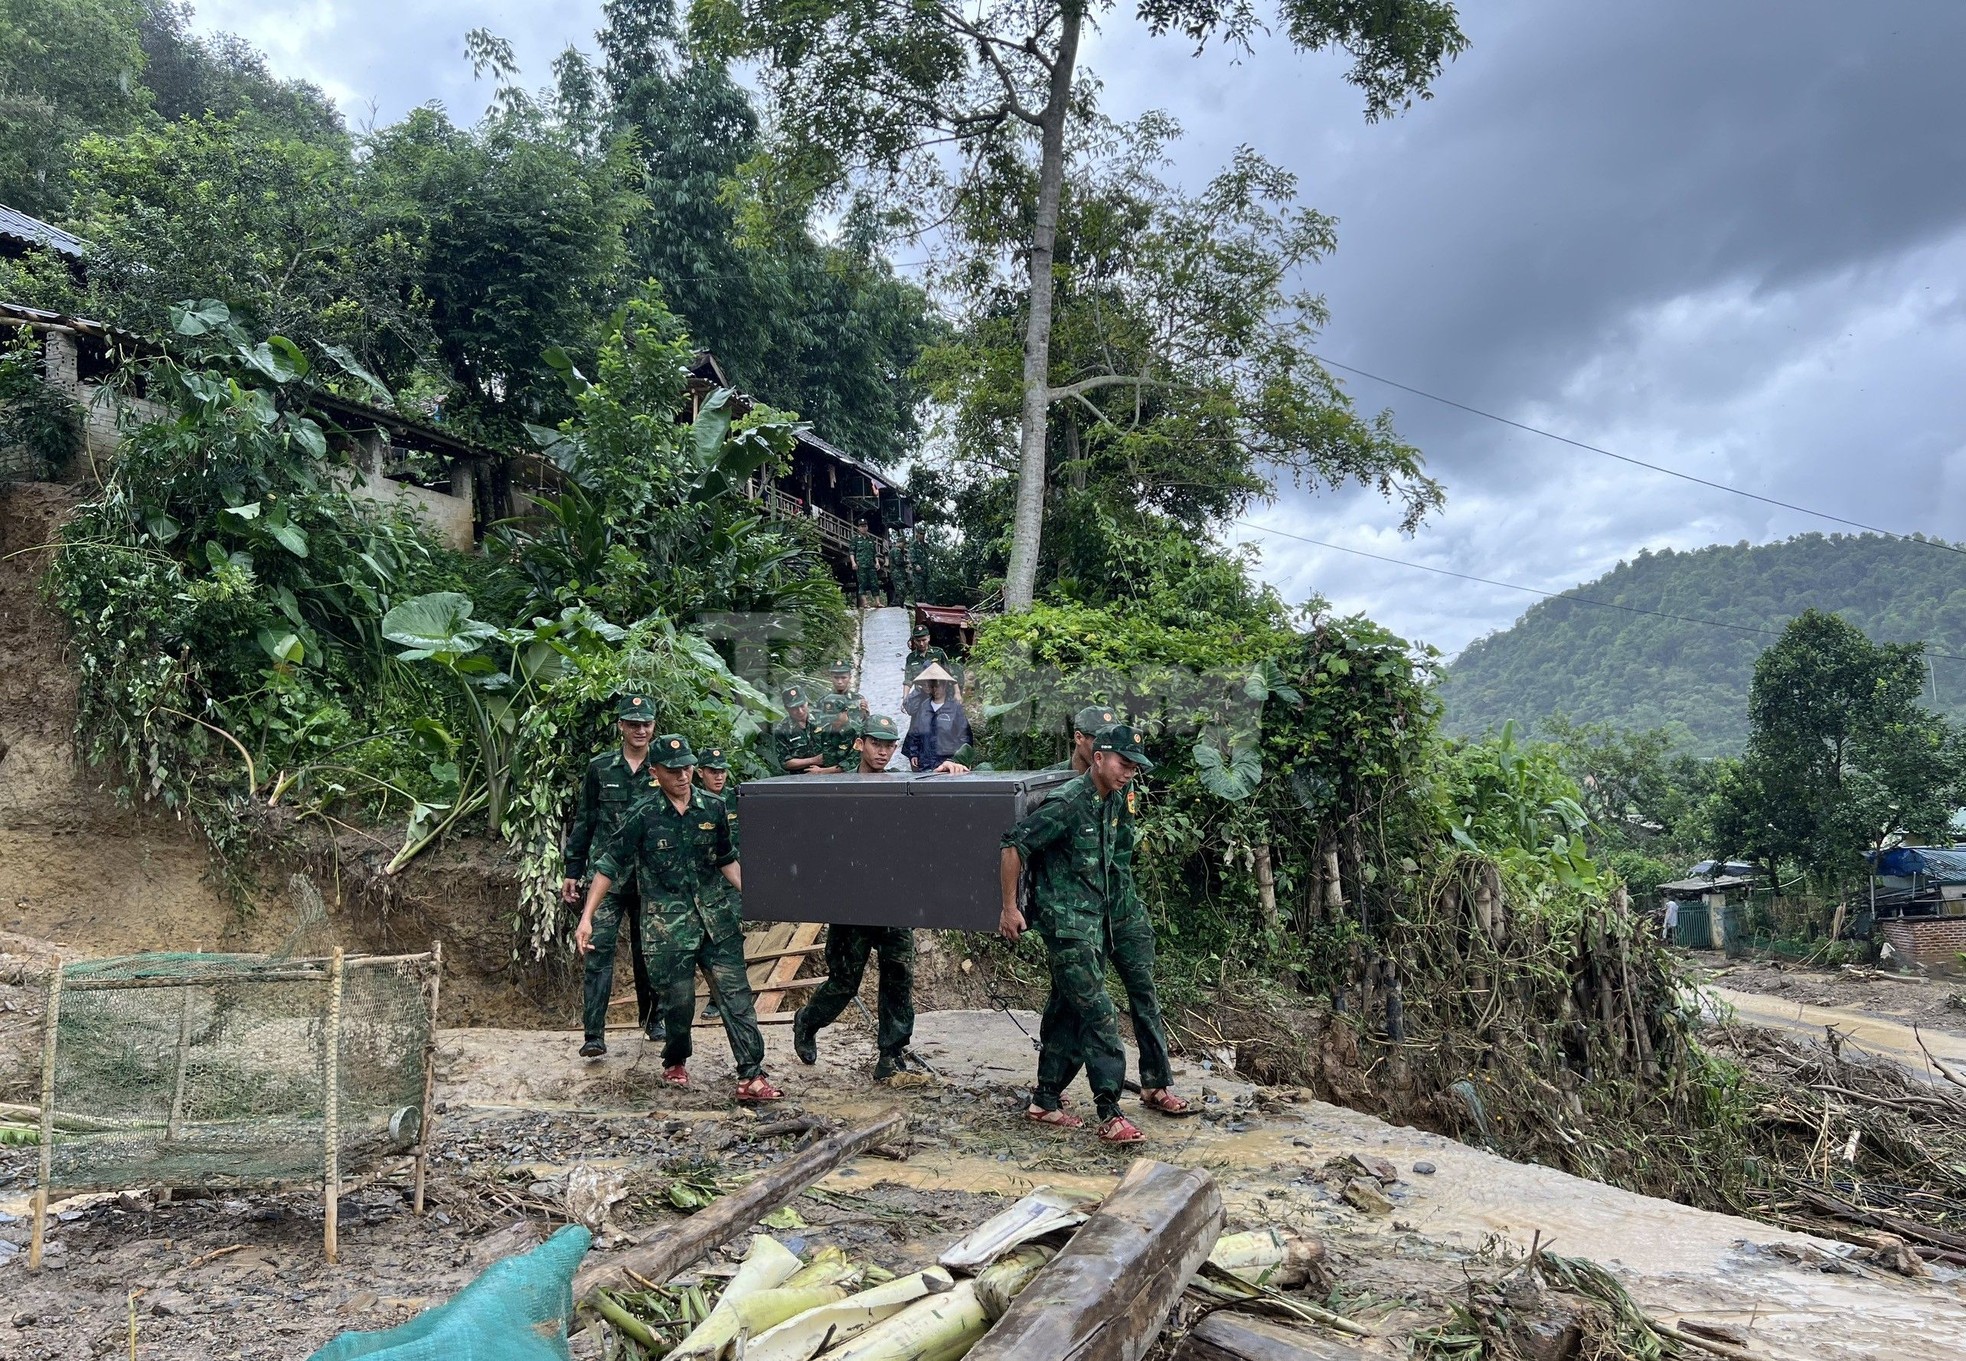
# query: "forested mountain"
1639,671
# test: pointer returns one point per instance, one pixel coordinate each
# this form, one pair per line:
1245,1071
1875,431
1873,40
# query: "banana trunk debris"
804,1337
769,1263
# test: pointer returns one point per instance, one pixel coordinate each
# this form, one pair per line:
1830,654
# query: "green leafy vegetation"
251,633
1637,672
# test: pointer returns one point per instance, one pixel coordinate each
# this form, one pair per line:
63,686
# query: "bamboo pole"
423,1129
176,1121
331,1115
51,1023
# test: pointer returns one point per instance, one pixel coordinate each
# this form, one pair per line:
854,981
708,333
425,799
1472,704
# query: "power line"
1533,590
1637,462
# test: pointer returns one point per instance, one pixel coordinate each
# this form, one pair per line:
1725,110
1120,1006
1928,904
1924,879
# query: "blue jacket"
933,739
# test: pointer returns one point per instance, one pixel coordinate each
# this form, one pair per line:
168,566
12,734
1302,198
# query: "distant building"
1919,895
457,487
1704,903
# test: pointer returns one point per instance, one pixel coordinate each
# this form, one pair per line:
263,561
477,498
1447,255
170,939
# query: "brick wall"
1929,940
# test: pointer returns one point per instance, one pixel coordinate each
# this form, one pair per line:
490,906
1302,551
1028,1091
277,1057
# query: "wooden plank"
1106,1296
1238,1337
772,995
662,1255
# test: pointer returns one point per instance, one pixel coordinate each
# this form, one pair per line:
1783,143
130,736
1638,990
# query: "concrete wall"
1928,940
447,517
99,405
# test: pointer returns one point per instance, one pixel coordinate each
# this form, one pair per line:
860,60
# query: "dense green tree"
193,74
863,86
1636,671
66,67
1841,754
821,326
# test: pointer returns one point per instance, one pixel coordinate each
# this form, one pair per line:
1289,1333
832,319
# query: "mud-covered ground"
242,1275
1932,1003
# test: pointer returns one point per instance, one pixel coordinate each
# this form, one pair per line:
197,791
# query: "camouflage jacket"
607,791
1069,845
790,741
677,859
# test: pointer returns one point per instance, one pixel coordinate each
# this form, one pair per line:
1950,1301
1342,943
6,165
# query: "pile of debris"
1856,1148
1052,1275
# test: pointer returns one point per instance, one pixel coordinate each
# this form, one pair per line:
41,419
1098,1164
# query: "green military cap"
1093,717
921,631
792,696
634,708
880,728
841,668
1122,740
672,749
713,758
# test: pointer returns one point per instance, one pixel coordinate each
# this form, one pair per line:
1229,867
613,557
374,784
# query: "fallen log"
1908,1229
1107,1294
1233,1337
662,1255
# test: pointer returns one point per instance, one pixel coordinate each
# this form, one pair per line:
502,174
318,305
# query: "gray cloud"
1723,237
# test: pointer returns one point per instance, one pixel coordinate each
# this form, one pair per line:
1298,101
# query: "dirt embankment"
1905,999
99,877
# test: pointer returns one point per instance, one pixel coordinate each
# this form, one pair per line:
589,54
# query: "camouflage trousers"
868,580
847,948
675,945
1130,952
597,980
1080,1028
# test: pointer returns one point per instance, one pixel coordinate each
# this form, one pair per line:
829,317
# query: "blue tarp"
1934,863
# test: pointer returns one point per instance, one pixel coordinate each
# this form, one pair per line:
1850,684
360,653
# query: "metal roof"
20,227
1721,883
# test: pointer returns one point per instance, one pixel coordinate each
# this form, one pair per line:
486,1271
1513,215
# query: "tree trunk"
1021,576
1105,1296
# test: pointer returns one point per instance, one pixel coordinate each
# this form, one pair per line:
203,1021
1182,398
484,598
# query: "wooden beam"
785,970
1237,1337
663,1254
1107,1295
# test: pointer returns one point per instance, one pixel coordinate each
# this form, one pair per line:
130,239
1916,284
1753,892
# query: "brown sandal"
755,1091
1120,1130
1056,1119
1161,1101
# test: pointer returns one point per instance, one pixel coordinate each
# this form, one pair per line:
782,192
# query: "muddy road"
242,1276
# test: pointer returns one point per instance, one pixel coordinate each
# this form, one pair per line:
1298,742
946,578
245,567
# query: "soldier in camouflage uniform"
920,654
847,948
866,561
795,740
677,844
713,773
837,742
842,695
1070,844
610,786
916,551
1130,935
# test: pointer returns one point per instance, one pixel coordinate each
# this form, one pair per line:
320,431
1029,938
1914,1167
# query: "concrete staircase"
883,662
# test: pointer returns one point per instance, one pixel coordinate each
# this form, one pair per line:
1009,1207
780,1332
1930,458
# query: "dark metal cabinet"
882,850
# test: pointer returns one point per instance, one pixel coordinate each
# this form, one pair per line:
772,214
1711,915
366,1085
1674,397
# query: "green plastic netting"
213,1070
516,1310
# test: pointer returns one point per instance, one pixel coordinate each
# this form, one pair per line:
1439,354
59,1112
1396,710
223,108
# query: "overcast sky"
1725,237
